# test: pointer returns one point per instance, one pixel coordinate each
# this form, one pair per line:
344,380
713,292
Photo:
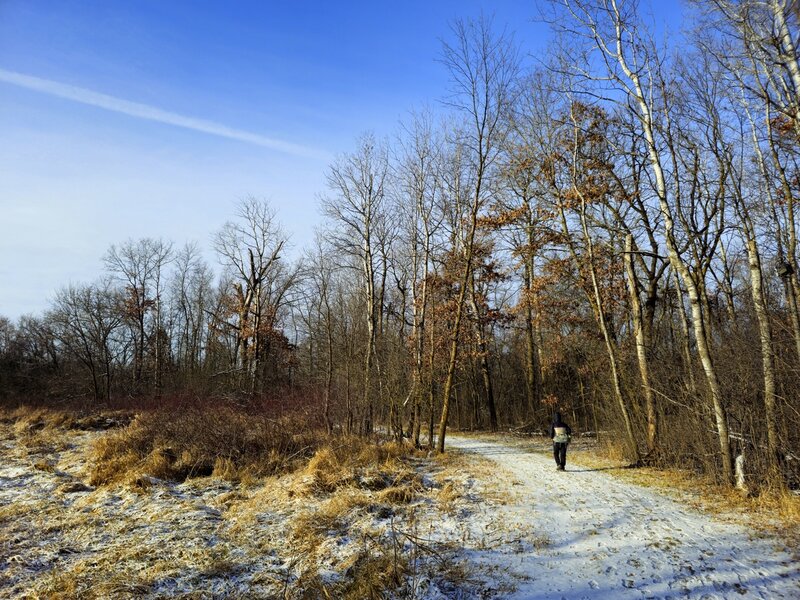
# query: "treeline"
611,233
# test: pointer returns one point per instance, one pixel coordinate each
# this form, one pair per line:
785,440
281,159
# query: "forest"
607,230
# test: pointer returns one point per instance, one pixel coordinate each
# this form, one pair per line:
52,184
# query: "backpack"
561,435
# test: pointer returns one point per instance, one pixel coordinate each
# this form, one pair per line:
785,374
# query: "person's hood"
557,419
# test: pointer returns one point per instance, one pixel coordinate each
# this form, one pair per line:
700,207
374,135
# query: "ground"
606,538
491,519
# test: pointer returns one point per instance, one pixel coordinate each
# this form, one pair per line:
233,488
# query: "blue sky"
238,99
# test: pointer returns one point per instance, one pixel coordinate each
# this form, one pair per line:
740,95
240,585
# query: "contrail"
152,113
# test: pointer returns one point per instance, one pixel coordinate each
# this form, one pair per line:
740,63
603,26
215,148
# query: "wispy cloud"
153,113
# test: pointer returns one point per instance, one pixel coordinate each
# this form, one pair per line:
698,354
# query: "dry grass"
329,469
45,465
358,462
309,528
26,419
373,575
613,450
452,465
447,495
192,443
305,498
397,494
346,486
351,476
542,542
70,585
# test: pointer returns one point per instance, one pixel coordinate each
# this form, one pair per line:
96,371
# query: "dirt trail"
604,538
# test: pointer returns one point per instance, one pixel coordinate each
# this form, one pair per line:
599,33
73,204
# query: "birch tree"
632,64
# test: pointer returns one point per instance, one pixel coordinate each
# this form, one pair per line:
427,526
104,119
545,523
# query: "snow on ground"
492,520
278,537
600,537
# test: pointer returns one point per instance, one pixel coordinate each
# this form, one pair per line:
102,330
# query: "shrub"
202,440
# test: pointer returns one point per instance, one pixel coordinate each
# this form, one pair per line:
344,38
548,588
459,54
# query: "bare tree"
418,190
356,207
85,319
191,296
524,210
252,250
726,104
633,65
583,150
757,48
139,266
483,70
321,270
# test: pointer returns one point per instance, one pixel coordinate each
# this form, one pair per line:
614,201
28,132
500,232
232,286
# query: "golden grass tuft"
160,463
225,442
231,498
12,512
355,461
111,460
225,468
309,527
338,506
448,459
62,585
372,575
375,454
328,469
447,496
112,470
397,494
45,465
69,585
27,420
788,506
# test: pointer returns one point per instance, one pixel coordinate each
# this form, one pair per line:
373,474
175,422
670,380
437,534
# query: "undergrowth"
341,507
198,441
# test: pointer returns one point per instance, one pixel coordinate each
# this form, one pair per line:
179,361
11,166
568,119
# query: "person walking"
560,433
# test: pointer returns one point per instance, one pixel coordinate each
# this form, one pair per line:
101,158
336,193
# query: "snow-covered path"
604,538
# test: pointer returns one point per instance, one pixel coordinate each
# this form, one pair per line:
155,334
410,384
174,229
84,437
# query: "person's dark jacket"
558,422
